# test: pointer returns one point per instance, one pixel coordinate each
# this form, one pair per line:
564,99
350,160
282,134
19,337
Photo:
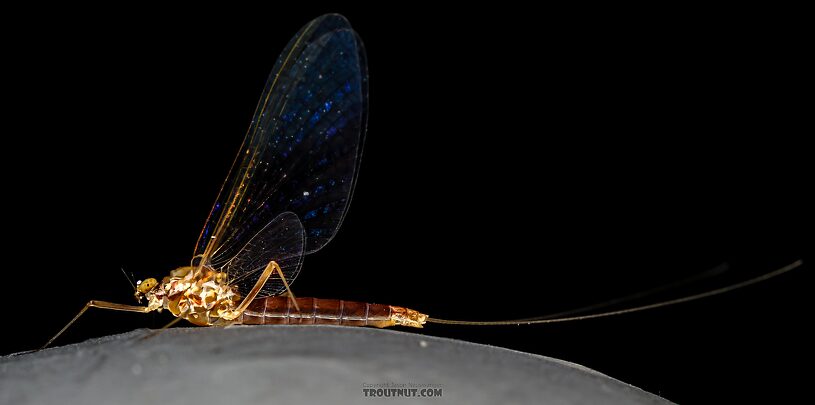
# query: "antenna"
129,280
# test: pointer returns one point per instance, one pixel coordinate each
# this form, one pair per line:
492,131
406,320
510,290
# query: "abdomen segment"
316,311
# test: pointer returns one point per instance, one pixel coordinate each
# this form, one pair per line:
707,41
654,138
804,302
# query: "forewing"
303,147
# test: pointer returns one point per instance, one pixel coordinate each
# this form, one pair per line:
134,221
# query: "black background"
518,163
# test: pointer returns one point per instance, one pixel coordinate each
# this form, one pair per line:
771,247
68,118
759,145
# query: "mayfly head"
144,287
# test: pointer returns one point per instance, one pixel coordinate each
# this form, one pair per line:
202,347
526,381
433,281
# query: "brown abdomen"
315,311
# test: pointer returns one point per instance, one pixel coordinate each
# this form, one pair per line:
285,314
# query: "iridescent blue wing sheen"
303,147
281,240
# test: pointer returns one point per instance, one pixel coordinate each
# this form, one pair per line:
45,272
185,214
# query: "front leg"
98,304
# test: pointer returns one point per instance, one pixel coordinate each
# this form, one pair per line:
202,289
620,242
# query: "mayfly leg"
98,304
288,290
167,326
267,272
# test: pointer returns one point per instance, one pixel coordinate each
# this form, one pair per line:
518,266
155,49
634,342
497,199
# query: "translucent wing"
302,149
281,240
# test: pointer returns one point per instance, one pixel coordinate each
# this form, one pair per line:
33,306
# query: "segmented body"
208,299
316,311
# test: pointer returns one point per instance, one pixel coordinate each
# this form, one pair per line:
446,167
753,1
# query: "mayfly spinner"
286,195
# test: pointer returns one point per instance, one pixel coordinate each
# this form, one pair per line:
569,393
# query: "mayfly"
286,195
